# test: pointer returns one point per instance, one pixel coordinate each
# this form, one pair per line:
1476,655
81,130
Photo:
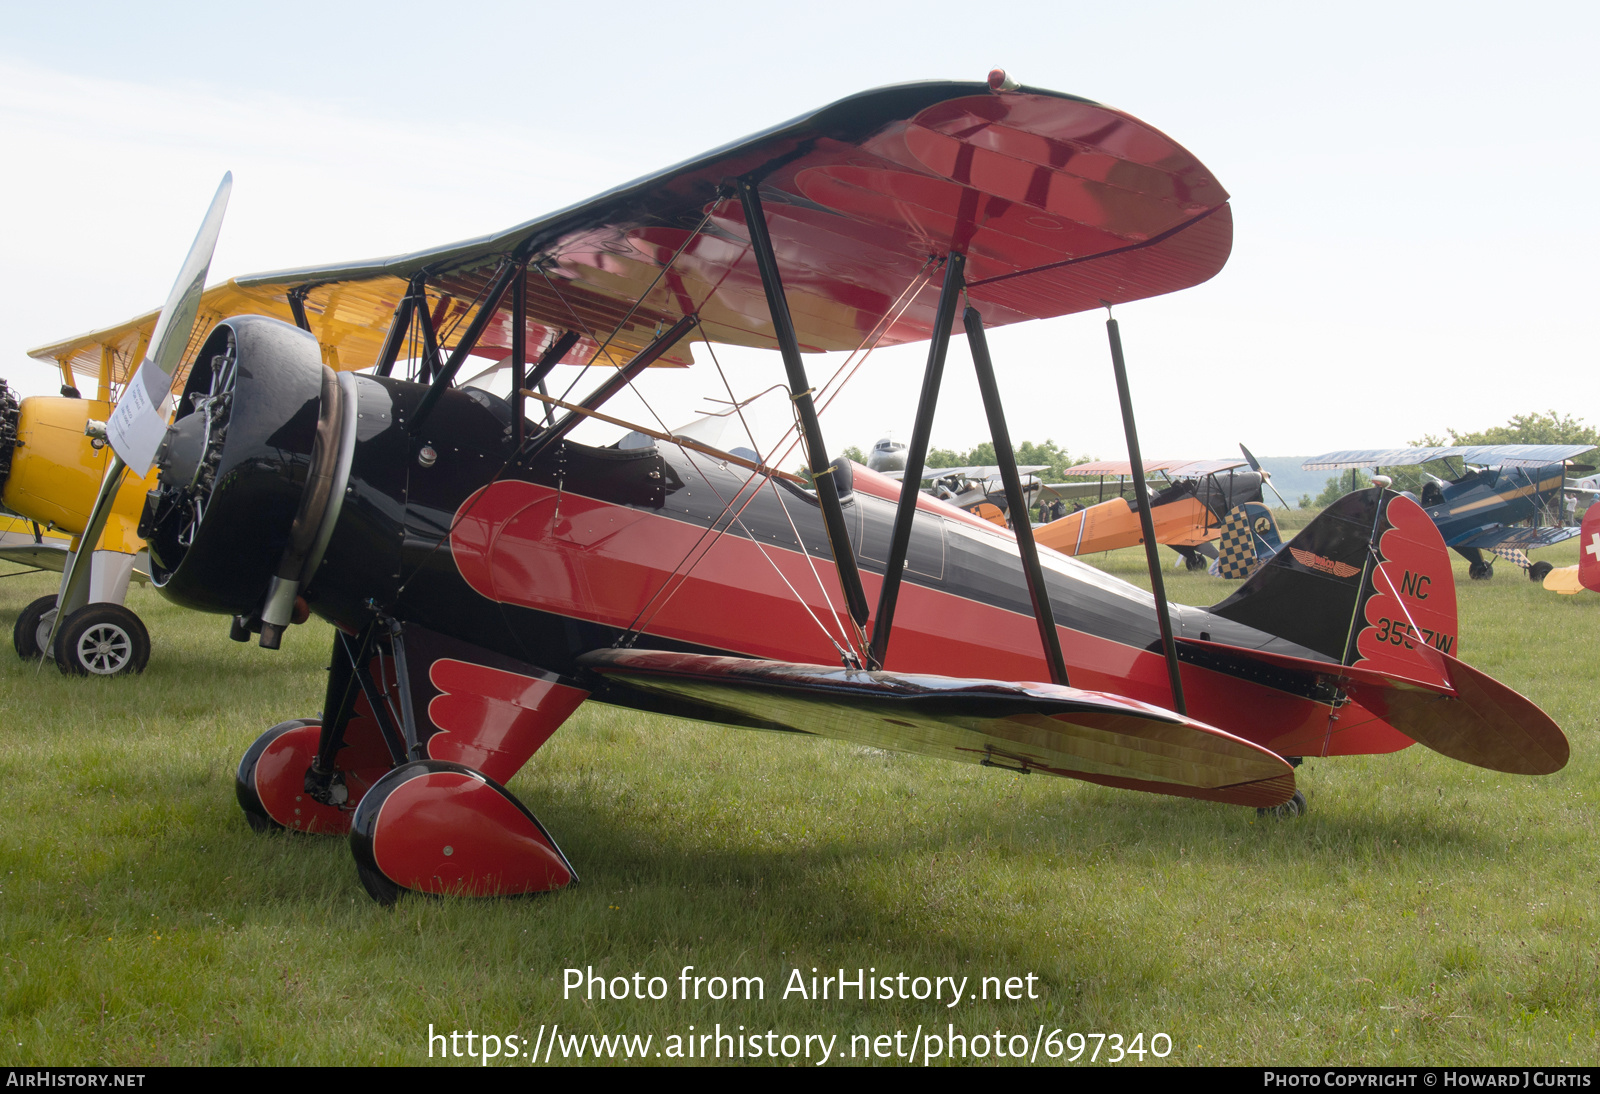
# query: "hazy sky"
1413,246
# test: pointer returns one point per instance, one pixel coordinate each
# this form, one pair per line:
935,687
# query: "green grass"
1423,912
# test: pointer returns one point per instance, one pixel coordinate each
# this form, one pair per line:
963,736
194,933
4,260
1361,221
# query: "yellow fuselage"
56,473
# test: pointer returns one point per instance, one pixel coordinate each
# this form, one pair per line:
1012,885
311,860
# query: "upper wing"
1172,469
349,324
977,472
1024,727
1060,205
1520,455
1069,491
1494,455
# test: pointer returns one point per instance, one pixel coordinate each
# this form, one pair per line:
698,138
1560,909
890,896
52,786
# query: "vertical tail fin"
1237,556
1264,527
1589,550
1249,538
1368,582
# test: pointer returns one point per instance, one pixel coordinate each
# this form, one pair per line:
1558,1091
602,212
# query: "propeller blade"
1266,478
139,421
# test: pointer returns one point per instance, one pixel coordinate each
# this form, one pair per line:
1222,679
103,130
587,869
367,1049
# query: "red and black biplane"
487,574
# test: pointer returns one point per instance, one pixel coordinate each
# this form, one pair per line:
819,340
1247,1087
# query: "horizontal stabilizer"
1468,716
1025,727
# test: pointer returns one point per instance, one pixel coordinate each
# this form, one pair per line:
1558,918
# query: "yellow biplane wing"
348,316
348,320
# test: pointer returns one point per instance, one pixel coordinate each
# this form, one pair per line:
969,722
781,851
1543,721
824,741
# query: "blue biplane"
1504,499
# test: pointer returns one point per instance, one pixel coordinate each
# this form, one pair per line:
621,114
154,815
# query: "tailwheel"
271,782
1294,807
101,640
432,826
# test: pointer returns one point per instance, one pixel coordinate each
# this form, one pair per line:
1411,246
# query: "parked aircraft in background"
1189,513
1505,499
888,454
1586,574
978,489
51,469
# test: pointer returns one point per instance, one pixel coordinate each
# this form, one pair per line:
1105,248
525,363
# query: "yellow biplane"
58,456
52,466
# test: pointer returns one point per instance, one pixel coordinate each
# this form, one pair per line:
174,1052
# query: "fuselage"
1493,496
545,556
1185,514
670,549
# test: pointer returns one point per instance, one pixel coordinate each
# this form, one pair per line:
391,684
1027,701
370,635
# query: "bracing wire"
891,316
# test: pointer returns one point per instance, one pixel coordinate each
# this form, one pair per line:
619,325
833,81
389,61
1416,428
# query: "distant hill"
1291,481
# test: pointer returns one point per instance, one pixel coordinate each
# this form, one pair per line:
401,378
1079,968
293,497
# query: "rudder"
1368,582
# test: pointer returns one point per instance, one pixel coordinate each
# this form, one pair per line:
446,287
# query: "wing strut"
510,269
1016,501
519,352
399,327
547,362
297,305
916,456
800,392
624,375
1146,524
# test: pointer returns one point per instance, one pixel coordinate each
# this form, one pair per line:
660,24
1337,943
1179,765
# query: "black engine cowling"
234,465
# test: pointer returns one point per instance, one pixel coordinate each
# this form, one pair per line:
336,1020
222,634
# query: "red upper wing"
1059,204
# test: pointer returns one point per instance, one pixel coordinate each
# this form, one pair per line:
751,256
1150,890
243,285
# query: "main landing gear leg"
419,733
308,774
446,823
1478,567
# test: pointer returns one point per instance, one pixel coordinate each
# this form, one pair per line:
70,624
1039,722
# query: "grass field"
1423,912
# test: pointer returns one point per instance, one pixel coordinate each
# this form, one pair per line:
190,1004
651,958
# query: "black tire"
378,887
261,824
1294,807
25,635
1194,562
1539,571
1480,571
102,640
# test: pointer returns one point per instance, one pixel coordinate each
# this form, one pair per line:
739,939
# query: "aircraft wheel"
1294,807
1195,562
271,781
32,629
1480,571
378,887
1539,571
432,826
102,640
